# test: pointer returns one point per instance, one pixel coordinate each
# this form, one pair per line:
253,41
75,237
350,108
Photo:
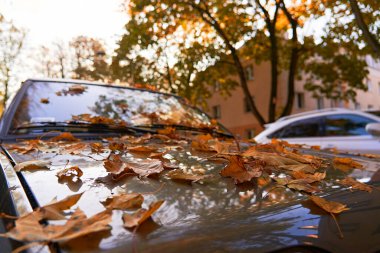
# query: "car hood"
213,214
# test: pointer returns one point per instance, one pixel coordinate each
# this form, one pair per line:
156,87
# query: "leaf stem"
336,222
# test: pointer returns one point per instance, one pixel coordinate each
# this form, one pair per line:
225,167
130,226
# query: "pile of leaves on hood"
279,162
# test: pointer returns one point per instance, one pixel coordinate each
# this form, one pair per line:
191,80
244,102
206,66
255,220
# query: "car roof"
77,81
315,113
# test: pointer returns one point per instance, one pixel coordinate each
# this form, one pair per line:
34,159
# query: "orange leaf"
345,163
124,201
97,148
240,171
137,218
145,168
166,131
77,89
69,173
32,165
349,181
143,149
66,136
44,100
329,206
74,149
180,175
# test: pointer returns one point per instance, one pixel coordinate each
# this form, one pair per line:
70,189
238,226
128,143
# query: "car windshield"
100,104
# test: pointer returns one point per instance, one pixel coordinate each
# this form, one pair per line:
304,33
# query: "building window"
249,72
369,85
357,106
369,107
320,103
379,88
300,100
247,107
216,112
250,133
217,86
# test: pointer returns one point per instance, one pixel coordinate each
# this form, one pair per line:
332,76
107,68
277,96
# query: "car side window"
346,125
302,128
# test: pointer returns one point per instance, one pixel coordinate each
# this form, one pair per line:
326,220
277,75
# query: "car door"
346,132
307,131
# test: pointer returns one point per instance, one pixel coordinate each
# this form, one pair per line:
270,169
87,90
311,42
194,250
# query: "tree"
372,14
89,59
171,60
11,43
271,30
54,61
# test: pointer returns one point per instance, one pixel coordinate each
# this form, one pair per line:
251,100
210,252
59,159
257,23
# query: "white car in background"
343,129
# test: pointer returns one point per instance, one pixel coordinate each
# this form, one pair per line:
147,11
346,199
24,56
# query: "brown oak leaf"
346,163
240,171
183,176
70,173
349,181
137,218
65,136
32,165
124,201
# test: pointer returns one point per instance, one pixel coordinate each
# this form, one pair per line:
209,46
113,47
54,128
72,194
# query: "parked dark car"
144,171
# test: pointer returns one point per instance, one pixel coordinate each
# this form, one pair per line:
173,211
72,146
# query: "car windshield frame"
9,114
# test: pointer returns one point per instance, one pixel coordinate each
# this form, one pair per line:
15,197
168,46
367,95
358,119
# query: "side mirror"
373,129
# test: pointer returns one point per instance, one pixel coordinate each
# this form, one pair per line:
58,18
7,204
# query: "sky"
52,20
49,21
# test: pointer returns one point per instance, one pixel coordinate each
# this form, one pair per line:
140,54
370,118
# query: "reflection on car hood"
213,214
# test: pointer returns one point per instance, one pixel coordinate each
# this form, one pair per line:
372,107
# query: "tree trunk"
293,63
274,74
368,36
209,19
5,98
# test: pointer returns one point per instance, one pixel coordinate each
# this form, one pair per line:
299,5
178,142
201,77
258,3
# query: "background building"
234,113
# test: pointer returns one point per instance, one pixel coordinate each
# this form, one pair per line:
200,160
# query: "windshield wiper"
208,130
84,125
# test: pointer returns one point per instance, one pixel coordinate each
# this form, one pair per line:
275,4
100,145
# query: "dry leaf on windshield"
66,136
77,89
74,149
137,218
240,171
70,173
44,100
350,182
166,131
182,176
371,156
142,149
346,163
124,201
32,165
27,146
329,206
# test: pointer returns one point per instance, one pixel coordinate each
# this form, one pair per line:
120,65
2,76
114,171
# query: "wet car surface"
212,214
